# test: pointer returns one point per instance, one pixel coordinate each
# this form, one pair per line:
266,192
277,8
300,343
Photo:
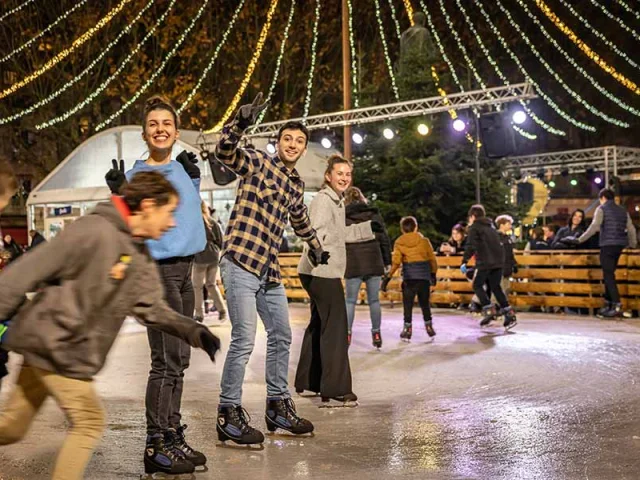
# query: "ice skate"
162,461
376,339
281,414
174,438
475,309
233,424
429,327
603,310
615,311
488,315
510,319
406,333
349,400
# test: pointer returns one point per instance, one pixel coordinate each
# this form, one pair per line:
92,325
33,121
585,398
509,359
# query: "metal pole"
606,167
615,161
477,147
346,76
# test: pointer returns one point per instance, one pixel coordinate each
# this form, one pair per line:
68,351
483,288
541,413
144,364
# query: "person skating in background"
510,266
36,239
270,193
173,253
324,356
617,232
484,242
8,188
89,278
205,268
366,262
415,254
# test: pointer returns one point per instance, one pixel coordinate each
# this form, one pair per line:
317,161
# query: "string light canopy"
312,68
354,62
385,49
15,10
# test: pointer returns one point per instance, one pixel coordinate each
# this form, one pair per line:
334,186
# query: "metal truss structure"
411,108
609,159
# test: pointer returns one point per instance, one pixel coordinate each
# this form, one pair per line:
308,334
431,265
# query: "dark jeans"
609,257
492,276
324,358
169,355
411,288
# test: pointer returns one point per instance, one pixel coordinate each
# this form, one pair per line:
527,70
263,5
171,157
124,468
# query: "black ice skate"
233,424
430,331
162,461
174,438
603,310
376,339
614,311
281,413
475,308
488,315
349,400
510,320
406,333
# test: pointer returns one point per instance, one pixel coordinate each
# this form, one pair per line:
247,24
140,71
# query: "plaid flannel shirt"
268,195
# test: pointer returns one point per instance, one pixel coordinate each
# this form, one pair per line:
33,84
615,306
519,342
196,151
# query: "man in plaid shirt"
270,192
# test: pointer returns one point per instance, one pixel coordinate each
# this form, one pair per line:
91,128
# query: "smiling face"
339,178
577,218
160,131
292,145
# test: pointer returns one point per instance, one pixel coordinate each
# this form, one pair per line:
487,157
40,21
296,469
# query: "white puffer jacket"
327,214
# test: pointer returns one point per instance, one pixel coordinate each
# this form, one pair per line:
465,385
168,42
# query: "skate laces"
162,448
291,409
182,441
243,417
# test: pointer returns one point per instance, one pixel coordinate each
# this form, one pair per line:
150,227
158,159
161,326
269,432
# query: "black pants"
493,277
411,288
609,257
169,355
4,360
324,358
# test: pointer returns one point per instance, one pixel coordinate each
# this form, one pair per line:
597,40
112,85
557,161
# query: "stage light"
271,147
357,138
326,142
552,184
519,117
388,133
597,180
459,125
574,182
423,129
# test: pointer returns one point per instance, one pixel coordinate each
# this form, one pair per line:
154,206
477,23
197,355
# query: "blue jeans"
247,296
373,299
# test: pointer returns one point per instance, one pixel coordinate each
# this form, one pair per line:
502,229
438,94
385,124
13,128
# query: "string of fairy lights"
631,10
67,51
213,58
409,9
82,74
312,68
385,49
471,66
599,34
529,78
394,17
61,18
616,19
250,68
276,73
573,63
354,61
93,95
586,49
502,76
575,95
158,70
15,9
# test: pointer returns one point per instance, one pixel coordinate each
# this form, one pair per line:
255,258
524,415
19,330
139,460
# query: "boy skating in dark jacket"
88,279
484,242
504,223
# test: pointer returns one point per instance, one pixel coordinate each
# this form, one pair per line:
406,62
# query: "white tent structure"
78,183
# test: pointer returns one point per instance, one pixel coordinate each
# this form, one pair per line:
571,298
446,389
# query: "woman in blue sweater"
174,253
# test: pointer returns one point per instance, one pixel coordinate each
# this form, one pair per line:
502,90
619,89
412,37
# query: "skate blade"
338,405
167,476
309,395
406,340
509,327
254,447
286,435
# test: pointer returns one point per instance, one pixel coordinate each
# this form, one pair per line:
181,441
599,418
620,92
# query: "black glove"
319,257
115,177
377,227
247,114
188,160
385,283
515,269
573,241
434,280
207,341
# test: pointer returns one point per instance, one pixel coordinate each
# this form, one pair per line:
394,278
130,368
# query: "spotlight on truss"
388,133
357,138
459,125
519,117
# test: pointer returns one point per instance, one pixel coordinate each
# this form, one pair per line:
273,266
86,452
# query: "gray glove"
207,341
247,114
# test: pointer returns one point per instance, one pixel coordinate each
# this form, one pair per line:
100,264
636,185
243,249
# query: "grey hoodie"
88,279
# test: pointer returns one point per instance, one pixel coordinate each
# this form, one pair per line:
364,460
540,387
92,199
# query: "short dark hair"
477,211
607,193
408,224
159,102
148,185
8,181
294,125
